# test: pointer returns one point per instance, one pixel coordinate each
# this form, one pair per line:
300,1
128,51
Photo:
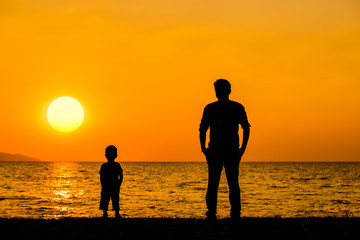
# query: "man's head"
111,153
222,88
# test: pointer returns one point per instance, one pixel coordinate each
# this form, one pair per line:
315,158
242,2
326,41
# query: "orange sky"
143,70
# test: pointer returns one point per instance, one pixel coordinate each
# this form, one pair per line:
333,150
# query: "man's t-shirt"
223,117
109,174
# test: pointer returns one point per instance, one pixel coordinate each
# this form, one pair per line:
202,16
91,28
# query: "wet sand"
185,229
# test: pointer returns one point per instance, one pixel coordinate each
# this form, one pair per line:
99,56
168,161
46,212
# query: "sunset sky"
144,70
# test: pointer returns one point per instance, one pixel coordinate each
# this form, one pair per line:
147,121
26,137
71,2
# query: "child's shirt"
110,173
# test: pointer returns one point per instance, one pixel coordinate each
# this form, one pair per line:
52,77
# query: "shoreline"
181,228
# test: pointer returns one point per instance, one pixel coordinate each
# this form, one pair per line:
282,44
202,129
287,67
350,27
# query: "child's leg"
104,202
115,203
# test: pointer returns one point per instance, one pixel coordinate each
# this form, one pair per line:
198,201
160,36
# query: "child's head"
111,153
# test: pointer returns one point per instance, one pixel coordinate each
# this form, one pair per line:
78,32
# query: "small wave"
21,198
43,208
185,184
301,179
306,194
341,201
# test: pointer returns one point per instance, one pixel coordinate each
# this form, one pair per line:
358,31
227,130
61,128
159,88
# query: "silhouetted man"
223,117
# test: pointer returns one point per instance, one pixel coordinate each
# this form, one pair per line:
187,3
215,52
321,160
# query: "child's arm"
102,179
101,176
121,177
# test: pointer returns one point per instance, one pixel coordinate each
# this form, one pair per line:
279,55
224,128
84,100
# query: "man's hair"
111,149
222,87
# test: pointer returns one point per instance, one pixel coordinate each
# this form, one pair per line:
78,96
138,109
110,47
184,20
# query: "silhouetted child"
111,177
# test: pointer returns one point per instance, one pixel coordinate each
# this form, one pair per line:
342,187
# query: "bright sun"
65,114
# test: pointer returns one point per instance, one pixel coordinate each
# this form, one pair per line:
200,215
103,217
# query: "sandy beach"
160,228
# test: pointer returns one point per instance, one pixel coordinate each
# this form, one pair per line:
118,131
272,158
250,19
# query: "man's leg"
214,171
232,176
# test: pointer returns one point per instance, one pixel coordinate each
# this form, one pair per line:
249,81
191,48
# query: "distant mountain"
16,157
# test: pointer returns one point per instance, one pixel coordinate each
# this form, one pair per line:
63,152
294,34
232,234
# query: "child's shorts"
105,199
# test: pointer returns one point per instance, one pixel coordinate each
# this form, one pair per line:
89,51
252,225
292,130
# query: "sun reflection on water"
63,181
66,187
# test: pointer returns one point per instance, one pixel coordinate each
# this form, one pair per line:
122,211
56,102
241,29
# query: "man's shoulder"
211,105
227,102
236,104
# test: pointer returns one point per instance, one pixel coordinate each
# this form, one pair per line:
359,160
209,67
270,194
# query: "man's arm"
204,125
245,125
246,134
203,141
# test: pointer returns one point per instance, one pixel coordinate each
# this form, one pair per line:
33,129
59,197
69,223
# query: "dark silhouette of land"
16,158
159,228
223,117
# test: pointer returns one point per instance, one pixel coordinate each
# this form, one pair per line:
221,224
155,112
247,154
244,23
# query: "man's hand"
204,151
240,153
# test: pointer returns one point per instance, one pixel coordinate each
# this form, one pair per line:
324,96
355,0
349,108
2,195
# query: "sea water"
53,190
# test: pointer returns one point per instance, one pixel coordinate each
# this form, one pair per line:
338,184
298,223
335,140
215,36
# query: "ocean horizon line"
245,161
